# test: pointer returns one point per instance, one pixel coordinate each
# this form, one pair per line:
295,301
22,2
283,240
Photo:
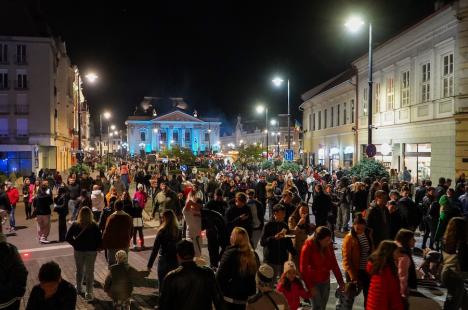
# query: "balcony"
21,109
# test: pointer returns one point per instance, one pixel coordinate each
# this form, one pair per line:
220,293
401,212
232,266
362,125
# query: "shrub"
289,166
369,168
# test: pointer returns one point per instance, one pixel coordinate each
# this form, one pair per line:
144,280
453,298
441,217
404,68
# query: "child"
291,286
119,282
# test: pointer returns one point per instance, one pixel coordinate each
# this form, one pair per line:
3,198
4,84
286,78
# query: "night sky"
219,55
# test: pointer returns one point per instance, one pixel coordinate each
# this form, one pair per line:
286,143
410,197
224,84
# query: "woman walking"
139,202
237,269
85,238
165,246
61,207
317,260
384,289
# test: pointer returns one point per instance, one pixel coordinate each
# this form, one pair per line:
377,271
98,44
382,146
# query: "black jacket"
378,220
74,191
260,190
63,299
219,206
233,214
276,251
42,203
359,201
234,284
13,274
409,212
320,208
164,245
61,204
214,221
88,239
190,287
4,201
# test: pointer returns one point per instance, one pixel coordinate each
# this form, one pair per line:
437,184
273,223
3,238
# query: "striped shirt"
364,250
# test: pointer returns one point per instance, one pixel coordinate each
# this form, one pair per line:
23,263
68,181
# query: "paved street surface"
145,293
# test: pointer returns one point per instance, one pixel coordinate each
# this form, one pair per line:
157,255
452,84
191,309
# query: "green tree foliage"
249,155
267,164
184,155
289,166
369,168
78,169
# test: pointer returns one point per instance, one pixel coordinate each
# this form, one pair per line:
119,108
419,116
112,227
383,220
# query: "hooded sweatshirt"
97,200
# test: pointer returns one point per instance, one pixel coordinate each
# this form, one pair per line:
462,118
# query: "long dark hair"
383,257
455,234
170,223
321,233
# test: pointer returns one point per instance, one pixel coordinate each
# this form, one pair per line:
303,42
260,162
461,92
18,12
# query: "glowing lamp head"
91,77
277,81
112,127
354,24
260,109
273,122
106,115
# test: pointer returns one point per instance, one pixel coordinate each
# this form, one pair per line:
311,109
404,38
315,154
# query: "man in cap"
267,297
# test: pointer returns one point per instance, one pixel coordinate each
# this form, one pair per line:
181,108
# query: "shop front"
417,159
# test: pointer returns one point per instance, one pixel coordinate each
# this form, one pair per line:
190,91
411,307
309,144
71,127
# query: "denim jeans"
12,216
72,209
322,293
84,261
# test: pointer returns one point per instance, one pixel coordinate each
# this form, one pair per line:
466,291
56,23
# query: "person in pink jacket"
292,287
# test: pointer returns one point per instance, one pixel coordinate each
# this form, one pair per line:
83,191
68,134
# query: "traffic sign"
288,155
371,150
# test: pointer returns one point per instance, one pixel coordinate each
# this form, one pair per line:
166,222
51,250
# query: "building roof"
177,116
334,81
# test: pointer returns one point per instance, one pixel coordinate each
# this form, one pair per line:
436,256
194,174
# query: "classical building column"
182,137
169,138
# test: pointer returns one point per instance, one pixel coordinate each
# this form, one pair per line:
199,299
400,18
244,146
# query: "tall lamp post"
209,139
91,77
260,109
109,135
354,24
278,82
274,122
106,116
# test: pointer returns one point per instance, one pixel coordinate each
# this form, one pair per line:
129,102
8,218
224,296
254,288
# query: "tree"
289,166
249,155
184,155
79,169
369,168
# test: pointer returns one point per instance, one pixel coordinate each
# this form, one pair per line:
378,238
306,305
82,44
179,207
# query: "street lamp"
107,116
354,24
260,109
209,139
91,77
277,81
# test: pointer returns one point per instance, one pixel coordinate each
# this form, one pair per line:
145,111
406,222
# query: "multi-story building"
246,134
36,104
420,101
147,133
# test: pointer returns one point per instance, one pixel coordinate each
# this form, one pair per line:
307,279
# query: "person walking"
61,207
120,281
13,196
190,286
378,218
26,194
42,203
13,275
343,205
321,206
300,226
85,238
239,215
317,260
357,247
165,246
237,269
139,202
406,267
384,288
97,202
455,247
74,191
117,233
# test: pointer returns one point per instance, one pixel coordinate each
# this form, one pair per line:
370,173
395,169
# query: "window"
163,136
338,115
332,116
310,122
143,135
344,113
21,126
447,77
319,120
3,53
390,94
376,105
21,81
3,126
426,82
207,136
4,107
3,79
187,136
20,54
352,111
365,93
325,119
405,89
313,121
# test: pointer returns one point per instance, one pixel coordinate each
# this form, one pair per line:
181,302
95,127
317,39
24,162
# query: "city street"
145,293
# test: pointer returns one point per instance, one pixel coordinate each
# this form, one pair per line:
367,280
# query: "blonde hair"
85,217
121,257
247,261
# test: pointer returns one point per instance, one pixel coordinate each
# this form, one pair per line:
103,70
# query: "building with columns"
177,128
420,101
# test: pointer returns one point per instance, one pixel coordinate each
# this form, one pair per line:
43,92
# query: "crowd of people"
293,218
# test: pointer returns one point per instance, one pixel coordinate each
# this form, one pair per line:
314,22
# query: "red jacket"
294,295
13,195
141,197
384,291
315,267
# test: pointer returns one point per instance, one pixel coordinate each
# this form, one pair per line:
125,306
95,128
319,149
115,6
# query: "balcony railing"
21,109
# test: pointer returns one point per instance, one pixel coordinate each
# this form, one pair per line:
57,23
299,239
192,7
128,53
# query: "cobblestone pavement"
145,293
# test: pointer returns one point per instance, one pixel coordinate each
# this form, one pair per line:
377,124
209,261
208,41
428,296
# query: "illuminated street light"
260,109
155,130
277,81
354,24
106,115
273,122
91,77
112,127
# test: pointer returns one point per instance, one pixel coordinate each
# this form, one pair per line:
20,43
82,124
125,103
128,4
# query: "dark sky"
219,55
